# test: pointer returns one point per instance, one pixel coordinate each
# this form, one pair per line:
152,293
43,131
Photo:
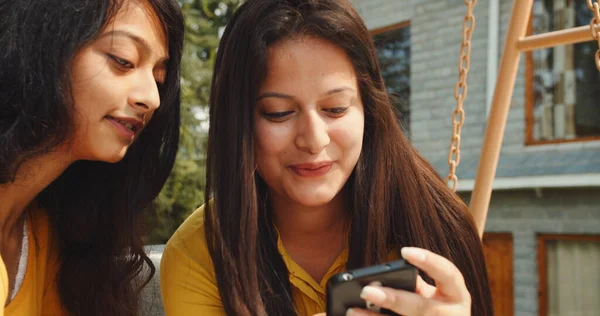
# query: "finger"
399,301
425,289
360,312
448,279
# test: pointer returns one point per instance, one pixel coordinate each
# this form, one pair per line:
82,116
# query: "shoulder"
187,248
190,235
187,276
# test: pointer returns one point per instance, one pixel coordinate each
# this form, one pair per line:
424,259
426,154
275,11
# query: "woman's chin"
314,200
112,157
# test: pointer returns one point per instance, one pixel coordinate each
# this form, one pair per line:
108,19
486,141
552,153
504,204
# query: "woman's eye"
277,115
336,111
122,62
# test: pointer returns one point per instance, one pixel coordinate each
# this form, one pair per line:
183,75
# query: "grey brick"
436,34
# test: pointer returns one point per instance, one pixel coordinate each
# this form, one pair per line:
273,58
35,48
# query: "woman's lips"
121,129
311,169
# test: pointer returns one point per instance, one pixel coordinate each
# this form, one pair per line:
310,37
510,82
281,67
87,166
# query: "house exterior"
543,228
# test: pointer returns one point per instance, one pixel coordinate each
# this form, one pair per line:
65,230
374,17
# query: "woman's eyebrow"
280,95
142,43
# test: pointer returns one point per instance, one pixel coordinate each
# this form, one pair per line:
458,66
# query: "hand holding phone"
448,297
343,289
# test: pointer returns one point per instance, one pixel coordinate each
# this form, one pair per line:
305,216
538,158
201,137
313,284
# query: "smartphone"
343,289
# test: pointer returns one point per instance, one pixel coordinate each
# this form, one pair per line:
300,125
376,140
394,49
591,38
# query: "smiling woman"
89,129
309,122
309,175
115,82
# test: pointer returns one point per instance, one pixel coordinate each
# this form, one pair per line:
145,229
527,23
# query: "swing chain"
595,8
460,93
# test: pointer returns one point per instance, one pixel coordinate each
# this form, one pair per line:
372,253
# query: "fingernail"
356,312
373,294
413,254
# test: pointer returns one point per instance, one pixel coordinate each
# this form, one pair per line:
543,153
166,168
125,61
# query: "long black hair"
395,197
95,208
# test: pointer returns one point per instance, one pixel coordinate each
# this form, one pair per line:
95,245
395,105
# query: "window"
499,257
568,274
563,81
393,53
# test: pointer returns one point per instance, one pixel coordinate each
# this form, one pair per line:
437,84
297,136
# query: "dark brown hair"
397,199
95,208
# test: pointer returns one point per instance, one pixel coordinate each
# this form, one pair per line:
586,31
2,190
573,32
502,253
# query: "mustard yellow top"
4,285
38,295
189,285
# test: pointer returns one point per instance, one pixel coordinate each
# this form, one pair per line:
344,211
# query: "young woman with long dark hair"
309,174
89,130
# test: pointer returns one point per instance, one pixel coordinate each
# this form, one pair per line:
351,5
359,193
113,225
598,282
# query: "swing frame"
516,42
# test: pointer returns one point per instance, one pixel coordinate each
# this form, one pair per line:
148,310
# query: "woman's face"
115,83
309,121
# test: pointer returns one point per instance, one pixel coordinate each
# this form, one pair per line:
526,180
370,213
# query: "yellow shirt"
38,294
189,285
4,285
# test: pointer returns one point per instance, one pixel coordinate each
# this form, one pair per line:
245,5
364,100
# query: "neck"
31,178
299,223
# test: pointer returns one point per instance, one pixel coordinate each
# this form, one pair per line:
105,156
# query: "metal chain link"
595,8
460,93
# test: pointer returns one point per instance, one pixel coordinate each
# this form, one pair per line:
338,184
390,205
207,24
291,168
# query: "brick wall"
436,31
526,214
379,13
436,35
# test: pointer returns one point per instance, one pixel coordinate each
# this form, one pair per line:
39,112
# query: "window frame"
530,102
542,264
390,28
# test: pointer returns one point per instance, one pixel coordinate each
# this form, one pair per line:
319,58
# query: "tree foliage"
184,190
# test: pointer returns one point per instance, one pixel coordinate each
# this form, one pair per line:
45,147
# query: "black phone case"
343,289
